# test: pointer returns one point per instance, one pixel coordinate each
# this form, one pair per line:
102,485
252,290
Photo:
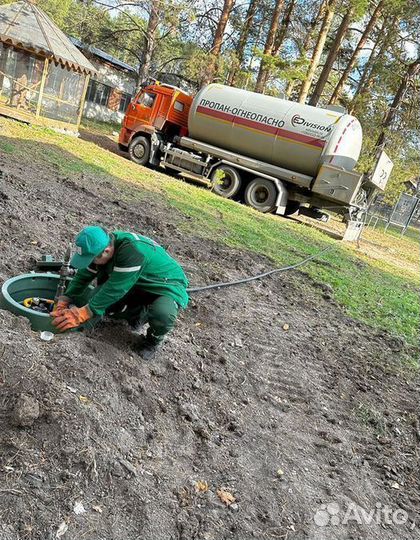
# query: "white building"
110,89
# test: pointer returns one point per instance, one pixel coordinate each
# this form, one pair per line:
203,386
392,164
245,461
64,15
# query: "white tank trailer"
275,154
285,133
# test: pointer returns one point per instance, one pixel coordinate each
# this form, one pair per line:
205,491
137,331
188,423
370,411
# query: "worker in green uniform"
136,281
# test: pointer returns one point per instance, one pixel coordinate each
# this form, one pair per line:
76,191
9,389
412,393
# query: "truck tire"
139,150
261,194
226,181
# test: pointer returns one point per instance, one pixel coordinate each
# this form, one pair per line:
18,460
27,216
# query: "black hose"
259,276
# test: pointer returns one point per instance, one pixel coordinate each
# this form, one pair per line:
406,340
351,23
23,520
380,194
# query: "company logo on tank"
298,120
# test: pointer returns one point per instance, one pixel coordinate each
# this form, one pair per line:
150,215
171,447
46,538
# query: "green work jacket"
137,261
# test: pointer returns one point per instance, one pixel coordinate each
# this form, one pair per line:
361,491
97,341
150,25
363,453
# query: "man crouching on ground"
136,281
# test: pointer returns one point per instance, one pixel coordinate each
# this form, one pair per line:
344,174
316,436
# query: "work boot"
136,324
146,347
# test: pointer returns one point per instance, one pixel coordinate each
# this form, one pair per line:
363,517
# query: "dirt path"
97,444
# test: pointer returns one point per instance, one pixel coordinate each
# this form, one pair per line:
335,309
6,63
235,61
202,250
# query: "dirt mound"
265,404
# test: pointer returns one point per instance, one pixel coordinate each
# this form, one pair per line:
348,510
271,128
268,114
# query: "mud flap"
353,231
282,198
154,150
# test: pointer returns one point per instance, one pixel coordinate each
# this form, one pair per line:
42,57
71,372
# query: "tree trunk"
269,45
284,26
331,58
412,71
319,47
307,43
352,62
248,69
281,34
375,59
218,40
250,14
150,40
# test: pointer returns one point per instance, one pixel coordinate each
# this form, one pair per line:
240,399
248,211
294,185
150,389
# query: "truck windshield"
146,99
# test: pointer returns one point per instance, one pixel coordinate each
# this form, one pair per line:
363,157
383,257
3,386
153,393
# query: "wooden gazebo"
43,76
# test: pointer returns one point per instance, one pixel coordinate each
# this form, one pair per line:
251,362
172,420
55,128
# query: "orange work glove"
62,304
72,318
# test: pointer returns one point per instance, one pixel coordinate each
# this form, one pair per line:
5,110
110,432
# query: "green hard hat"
90,242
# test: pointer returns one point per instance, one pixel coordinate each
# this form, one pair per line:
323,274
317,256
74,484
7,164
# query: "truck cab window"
146,99
178,106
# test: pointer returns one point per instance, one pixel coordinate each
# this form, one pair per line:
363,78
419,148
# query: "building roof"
103,55
22,24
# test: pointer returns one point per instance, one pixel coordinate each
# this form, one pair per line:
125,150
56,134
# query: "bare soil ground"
266,403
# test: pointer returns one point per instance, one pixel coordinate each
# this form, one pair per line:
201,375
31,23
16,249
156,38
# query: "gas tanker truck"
272,154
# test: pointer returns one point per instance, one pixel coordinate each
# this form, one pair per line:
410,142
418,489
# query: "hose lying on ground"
259,276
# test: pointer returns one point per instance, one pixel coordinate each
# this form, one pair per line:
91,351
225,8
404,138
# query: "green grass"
103,128
373,291
376,283
370,417
7,147
411,232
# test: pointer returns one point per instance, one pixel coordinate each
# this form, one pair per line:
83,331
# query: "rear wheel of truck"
139,150
226,181
261,194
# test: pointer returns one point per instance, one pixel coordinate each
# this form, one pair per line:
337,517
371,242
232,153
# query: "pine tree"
307,44
243,39
319,47
412,71
149,41
354,57
269,45
331,58
218,40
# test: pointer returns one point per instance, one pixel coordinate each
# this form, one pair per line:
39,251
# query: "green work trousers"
139,307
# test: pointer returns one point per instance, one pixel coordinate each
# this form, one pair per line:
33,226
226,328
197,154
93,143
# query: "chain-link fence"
404,213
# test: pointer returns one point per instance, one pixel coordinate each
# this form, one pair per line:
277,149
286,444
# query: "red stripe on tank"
339,140
298,137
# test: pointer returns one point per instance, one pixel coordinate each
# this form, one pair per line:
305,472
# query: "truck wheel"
226,181
292,207
261,194
139,150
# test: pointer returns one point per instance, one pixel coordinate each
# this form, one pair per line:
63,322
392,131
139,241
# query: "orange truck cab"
156,115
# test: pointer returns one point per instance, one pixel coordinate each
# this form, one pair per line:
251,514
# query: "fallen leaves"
202,486
226,497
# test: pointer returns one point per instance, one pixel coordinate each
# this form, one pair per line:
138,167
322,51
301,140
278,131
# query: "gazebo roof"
23,24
